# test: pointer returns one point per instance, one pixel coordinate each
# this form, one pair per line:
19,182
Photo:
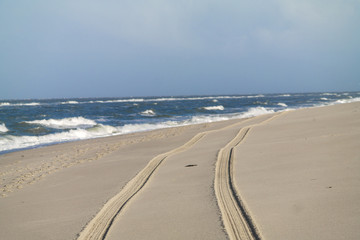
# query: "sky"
123,48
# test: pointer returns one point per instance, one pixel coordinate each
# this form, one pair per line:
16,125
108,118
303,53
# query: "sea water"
35,122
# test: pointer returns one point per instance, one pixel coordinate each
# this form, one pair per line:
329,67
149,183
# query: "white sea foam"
162,99
10,142
208,119
282,104
331,94
284,95
148,113
70,102
175,99
121,100
329,103
100,129
257,111
65,123
256,96
350,100
3,128
323,98
220,107
28,104
252,112
186,98
19,104
131,128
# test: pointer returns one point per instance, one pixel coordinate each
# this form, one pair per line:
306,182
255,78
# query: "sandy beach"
288,175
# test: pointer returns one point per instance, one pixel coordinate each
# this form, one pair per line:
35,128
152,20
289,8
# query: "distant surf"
35,123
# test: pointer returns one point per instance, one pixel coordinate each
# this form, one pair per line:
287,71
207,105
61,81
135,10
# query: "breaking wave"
162,99
70,102
220,107
3,128
257,111
251,112
137,114
282,104
10,142
119,100
350,100
19,104
65,123
148,113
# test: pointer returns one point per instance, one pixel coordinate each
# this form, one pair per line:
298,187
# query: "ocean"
35,123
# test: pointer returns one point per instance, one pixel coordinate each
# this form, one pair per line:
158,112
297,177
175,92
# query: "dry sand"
300,174
294,175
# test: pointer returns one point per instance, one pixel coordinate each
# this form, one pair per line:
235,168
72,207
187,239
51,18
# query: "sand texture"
300,174
290,175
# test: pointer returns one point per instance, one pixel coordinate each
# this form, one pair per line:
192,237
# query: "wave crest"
282,104
19,104
220,107
351,100
257,111
148,113
65,123
10,142
70,102
3,128
94,130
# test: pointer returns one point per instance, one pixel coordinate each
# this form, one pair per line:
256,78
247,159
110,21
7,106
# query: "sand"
293,175
300,174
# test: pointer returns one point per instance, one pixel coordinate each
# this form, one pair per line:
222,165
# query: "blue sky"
69,48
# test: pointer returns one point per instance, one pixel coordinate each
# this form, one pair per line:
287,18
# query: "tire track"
99,226
236,219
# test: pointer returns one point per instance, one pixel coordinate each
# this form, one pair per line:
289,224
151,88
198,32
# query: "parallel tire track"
233,212
236,219
99,226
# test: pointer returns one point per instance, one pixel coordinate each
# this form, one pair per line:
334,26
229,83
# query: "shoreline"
70,182
100,130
